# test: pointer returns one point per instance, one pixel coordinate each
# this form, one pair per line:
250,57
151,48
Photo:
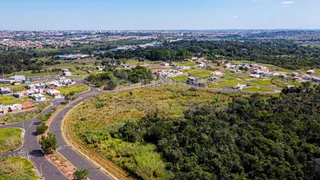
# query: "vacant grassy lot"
266,82
20,117
75,89
214,85
232,82
198,72
257,88
17,168
12,100
10,139
191,64
105,113
180,78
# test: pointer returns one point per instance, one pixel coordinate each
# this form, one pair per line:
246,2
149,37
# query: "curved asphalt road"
63,148
31,148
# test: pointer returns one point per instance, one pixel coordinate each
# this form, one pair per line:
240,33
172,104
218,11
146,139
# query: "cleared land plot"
15,168
191,64
232,82
10,139
75,89
198,72
12,100
180,78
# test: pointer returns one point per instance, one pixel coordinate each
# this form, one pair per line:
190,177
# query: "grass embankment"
75,89
10,139
15,168
22,116
90,124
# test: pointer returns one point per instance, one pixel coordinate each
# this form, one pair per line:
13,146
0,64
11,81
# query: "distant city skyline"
159,15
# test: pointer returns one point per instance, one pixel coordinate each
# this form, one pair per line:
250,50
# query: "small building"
241,86
5,90
19,95
7,81
4,109
193,80
53,92
15,107
311,71
28,106
38,97
59,96
165,64
66,72
19,78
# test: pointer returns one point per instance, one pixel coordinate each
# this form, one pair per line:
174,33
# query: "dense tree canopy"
253,138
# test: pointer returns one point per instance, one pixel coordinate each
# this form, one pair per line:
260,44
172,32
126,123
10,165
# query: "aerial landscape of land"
195,90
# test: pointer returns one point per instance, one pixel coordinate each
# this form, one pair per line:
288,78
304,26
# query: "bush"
81,174
42,129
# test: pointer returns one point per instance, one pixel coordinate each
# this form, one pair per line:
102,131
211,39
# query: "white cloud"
236,17
287,3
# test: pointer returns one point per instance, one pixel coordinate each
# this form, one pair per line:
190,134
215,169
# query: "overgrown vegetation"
111,79
85,123
48,143
10,139
14,168
254,137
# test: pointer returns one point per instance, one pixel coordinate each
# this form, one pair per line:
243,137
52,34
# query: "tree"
48,143
41,129
81,174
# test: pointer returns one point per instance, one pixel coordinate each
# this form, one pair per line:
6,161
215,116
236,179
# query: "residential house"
15,107
4,109
38,97
28,106
5,90
66,72
241,86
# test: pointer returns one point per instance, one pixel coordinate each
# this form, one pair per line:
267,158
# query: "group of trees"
282,53
253,138
111,79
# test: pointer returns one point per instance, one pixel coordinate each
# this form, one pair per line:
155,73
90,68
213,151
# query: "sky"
158,14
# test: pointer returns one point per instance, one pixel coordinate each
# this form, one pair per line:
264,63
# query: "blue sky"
158,14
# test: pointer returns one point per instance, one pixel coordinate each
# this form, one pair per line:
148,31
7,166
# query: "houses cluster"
13,108
37,91
168,73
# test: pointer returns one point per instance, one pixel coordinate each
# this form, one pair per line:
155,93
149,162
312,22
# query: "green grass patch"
232,82
266,82
15,168
198,72
213,85
191,64
12,100
10,139
75,89
20,117
256,89
179,78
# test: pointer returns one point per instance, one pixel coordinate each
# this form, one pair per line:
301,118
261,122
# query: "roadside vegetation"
14,168
252,137
10,139
23,116
94,119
